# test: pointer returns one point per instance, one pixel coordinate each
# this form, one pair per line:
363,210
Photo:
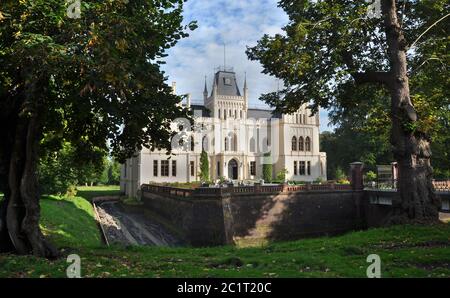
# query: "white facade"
236,138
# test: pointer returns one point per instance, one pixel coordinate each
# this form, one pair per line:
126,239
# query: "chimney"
174,88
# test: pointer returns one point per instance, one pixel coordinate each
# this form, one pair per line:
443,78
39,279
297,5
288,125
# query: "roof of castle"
226,83
257,114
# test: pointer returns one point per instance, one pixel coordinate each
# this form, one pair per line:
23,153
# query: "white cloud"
237,24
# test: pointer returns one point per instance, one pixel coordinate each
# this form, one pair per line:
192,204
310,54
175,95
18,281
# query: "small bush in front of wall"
71,191
371,176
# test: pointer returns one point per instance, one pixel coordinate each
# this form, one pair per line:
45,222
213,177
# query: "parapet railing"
257,188
441,185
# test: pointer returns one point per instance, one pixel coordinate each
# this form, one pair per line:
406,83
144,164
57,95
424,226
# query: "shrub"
319,180
371,176
71,191
204,167
267,168
340,174
281,175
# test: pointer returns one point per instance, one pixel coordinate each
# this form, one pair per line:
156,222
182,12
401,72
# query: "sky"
237,24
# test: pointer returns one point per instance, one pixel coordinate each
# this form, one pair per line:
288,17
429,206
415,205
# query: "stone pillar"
356,175
394,174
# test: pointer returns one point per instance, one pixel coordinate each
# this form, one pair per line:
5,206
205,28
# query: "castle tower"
226,100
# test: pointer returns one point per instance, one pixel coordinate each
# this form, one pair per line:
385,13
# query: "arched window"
192,143
301,144
252,145
265,145
226,144
181,144
205,144
308,144
224,114
219,114
235,114
294,143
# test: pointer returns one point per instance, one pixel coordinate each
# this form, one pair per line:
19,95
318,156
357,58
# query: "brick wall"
222,216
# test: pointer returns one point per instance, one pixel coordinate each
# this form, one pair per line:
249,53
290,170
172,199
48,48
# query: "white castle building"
238,140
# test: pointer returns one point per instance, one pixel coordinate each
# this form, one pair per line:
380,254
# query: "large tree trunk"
411,148
20,211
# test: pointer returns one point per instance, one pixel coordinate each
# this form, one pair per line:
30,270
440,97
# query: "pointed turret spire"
245,92
205,92
245,81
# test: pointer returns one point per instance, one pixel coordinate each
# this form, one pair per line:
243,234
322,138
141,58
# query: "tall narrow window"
219,114
295,168
294,144
224,114
308,144
218,169
301,144
192,168
226,144
155,168
174,168
234,143
240,115
265,145
164,168
252,145
192,143
253,168
302,168
205,143
308,168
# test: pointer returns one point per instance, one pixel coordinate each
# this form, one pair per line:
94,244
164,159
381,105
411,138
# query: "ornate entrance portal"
233,169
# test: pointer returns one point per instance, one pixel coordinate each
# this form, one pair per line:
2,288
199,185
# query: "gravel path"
132,228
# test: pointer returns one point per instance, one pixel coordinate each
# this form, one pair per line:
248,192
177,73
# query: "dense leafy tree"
83,80
332,48
57,172
348,144
113,169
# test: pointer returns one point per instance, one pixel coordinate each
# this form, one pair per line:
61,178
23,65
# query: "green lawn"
405,251
70,222
89,192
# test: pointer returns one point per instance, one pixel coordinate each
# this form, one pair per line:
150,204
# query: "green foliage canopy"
93,78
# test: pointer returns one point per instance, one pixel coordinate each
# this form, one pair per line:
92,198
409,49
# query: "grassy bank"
69,222
89,192
405,251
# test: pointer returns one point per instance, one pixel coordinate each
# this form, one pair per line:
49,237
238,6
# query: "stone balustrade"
257,188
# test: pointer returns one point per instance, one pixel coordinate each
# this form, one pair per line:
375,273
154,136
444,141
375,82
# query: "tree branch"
360,78
381,77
